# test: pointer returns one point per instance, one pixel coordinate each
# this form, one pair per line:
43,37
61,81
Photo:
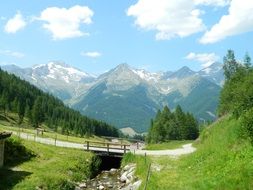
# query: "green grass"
223,160
167,145
10,123
49,168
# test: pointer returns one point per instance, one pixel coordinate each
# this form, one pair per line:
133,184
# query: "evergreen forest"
176,125
18,96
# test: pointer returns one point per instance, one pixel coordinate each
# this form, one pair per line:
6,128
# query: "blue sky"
96,36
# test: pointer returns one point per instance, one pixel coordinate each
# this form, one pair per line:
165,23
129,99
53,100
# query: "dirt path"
186,149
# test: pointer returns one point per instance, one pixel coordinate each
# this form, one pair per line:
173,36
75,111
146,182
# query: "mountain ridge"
125,96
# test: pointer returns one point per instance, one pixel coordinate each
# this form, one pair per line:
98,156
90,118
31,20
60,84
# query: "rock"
105,177
110,186
128,181
133,186
101,187
156,167
123,177
130,175
113,170
131,169
82,185
136,185
127,167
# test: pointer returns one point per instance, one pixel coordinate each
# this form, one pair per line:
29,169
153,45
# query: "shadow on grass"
9,178
16,153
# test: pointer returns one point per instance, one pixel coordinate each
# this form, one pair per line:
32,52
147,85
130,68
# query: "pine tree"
247,61
21,111
37,113
230,64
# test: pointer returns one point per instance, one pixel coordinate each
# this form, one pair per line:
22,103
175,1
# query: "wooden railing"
106,146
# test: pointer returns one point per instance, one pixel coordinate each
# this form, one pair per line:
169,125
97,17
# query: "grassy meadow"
30,165
223,160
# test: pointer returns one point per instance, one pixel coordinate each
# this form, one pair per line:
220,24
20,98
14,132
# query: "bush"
247,124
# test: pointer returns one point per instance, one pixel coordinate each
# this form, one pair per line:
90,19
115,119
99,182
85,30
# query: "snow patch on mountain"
207,70
146,75
213,73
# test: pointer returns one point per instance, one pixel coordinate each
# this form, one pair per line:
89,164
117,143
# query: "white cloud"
92,54
65,23
169,18
15,24
239,20
206,59
219,3
12,53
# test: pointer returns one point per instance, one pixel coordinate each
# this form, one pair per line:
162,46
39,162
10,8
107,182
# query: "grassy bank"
45,167
223,160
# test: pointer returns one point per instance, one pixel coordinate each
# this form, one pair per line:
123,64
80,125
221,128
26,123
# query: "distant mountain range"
128,97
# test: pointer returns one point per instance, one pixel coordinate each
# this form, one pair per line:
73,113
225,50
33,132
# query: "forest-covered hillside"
18,96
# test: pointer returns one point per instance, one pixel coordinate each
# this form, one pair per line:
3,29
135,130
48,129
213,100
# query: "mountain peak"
123,66
59,63
185,68
182,73
52,64
215,67
213,73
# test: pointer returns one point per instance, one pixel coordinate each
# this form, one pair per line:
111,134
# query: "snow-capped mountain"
60,71
57,78
125,96
213,73
128,97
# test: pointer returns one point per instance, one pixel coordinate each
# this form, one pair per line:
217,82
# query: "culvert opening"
109,162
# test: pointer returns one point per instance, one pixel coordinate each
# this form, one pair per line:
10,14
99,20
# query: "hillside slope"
223,160
19,96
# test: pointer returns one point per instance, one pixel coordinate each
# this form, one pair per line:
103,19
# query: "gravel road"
186,149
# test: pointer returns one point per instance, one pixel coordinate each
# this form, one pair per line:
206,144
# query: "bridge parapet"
106,147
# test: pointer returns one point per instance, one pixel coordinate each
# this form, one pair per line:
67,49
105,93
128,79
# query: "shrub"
247,124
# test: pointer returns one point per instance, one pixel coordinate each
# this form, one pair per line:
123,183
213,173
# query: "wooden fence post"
88,145
147,177
55,138
124,148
